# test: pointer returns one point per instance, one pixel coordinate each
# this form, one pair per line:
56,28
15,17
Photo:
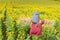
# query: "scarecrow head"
35,17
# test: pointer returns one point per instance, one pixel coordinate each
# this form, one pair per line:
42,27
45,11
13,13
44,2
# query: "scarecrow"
36,27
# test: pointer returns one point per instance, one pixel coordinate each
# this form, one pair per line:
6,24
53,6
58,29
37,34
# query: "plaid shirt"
36,28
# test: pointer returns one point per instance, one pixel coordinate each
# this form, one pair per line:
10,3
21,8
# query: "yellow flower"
55,30
13,16
21,37
10,33
1,15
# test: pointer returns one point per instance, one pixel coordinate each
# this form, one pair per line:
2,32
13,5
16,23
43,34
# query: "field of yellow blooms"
12,29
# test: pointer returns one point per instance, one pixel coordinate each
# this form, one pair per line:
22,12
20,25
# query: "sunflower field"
12,29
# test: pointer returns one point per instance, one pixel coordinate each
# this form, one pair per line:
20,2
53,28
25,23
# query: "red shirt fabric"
36,28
